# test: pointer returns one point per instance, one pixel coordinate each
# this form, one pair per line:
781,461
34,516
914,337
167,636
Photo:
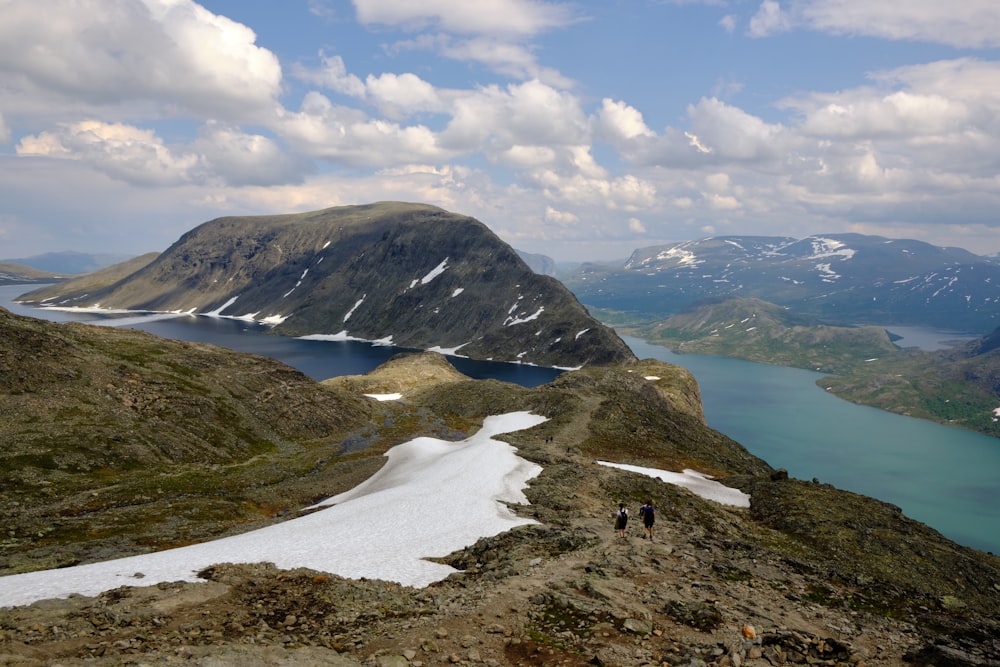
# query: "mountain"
17,274
541,264
409,274
70,262
766,333
843,279
117,442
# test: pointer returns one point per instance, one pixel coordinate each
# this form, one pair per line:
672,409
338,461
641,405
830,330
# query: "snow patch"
423,481
355,307
692,480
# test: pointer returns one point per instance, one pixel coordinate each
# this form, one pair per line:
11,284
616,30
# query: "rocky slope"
411,274
807,575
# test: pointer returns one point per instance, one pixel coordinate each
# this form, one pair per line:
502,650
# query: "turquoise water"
944,477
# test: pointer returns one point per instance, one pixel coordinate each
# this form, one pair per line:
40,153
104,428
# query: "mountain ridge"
411,274
840,279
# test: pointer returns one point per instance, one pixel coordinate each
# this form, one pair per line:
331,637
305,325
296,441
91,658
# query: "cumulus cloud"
114,52
967,24
530,113
561,218
123,152
504,56
399,95
331,74
617,121
769,20
624,193
347,136
232,157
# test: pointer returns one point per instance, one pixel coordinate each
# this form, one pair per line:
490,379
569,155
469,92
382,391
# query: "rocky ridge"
808,574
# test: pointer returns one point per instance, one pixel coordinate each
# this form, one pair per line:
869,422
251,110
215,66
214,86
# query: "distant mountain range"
11,273
411,275
69,262
842,279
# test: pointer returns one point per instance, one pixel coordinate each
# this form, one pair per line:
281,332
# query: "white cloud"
527,114
124,152
5,133
561,218
618,121
635,226
348,136
403,94
501,55
332,74
503,17
769,20
114,52
625,193
967,24
232,157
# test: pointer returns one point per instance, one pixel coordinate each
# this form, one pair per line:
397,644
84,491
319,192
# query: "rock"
637,626
392,661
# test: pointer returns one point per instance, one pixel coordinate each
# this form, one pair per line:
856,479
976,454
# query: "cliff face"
414,275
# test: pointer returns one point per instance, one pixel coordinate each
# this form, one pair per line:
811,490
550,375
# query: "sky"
580,130
440,496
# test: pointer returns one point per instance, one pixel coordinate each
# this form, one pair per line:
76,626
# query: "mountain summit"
407,274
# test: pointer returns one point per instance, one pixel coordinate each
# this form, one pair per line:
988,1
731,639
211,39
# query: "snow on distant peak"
823,247
678,254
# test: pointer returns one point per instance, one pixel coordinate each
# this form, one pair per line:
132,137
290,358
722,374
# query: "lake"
944,477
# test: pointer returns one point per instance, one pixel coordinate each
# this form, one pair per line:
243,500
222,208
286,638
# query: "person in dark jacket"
621,519
648,516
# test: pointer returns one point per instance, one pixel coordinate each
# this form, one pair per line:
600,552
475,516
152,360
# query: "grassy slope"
959,387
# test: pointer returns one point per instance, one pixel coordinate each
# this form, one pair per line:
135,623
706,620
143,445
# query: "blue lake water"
945,477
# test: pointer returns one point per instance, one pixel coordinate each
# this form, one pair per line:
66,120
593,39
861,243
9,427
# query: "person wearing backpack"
621,519
648,516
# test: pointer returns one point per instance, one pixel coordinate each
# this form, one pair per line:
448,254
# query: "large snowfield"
431,498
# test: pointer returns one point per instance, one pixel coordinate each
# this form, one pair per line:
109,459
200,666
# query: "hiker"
621,519
648,516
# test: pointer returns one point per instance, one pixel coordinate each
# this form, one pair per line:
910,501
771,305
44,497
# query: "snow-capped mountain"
840,278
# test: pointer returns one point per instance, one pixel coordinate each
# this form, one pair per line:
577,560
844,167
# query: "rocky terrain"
808,574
